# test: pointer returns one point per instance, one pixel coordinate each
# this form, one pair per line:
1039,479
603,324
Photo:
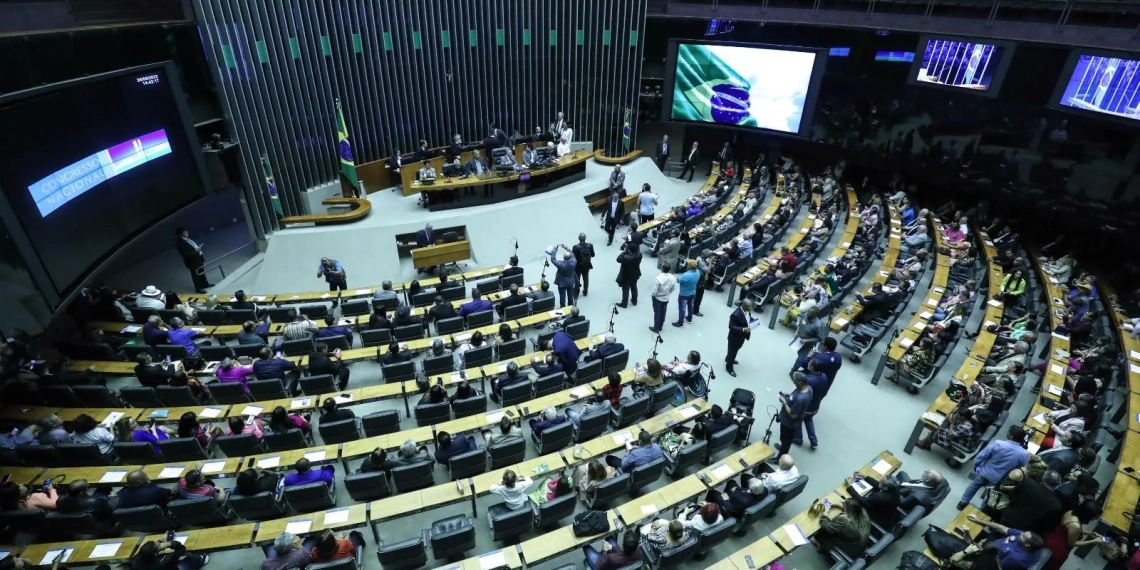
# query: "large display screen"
88,164
745,86
958,63
1102,84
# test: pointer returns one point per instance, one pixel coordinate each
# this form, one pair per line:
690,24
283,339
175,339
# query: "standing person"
819,387
686,291
663,287
995,461
191,253
662,153
630,261
810,331
690,164
334,275
615,211
829,361
647,202
723,157
793,407
739,330
617,178
566,274
584,255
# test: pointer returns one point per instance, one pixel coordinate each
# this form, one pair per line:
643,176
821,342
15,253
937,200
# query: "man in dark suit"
630,261
424,238
321,363
723,156
441,309
584,255
609,347
477,166
876,305
662,153
331,329
690,162
924,492
457,147
152,375
1064,457
615,210
513,298
421,153
539,136
738,332
192,257
559,124
396,163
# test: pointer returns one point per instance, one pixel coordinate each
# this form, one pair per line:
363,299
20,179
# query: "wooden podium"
441,254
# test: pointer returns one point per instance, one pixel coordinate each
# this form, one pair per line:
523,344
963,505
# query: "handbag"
995,499
942,543
590,523
915,560
956,390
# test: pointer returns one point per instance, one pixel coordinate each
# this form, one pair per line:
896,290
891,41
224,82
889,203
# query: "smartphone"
46,487
826,505
1128,470
510,413
170,536
1106,538
748,561
249,464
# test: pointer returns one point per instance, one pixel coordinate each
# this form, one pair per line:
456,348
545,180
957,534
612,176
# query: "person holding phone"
334,275
320,362
611,556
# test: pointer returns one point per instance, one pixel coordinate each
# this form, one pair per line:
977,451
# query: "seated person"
612,556
513,491
238,425
330,546
330,412
477,304
331,329
612,390
409,454
508,431
513,298
717,420
18,497
394,354
249,335
511,377
376,461
193,485
404,317
77,501
849,530
609,347
543,292
691,364
645,452
701,516
281,421
287,552
305,474
651,375
1015,549
436,394
426,172
785,474
547,365
661,534
150,374
441,309
321,362
269,367
549,418
253,481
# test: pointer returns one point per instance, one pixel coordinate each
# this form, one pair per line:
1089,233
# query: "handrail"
217,263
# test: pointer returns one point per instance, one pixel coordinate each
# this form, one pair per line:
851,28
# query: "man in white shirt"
782,477
663,287
150,298
647,202
426,172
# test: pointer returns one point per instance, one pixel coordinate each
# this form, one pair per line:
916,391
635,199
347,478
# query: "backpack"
915,560
590,523
942,543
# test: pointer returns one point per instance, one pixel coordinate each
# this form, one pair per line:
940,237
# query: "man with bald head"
784,475
140,492
928,489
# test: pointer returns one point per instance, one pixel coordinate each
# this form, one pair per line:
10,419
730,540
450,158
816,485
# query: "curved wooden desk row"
358,210
665,217
363,292
600,156
776,545
849,230
791,241
357,515
894,247
908,336
571,160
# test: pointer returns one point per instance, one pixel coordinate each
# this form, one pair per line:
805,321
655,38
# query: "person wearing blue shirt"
793,409
1016,549
331,329
477,304
448,446
567,274
819,387
565,349
686,292
829,361
334,275
995,461
549,418
643,453
907,214
182,336
305,474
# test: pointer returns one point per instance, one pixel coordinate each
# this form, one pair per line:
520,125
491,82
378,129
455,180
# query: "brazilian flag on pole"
271,186
344,149
625,133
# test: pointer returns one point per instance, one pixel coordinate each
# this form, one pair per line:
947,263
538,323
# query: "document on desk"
919,326
105,549
492,560
881,466
722,472
1134,368
648,509
994,303
113,477
336,516
1032,447
343,398
251,410
299,527
1134,355
795,534
905,341
210,412
130,329
494,417
687,411
318,455
1055,390
213,466
579,392
926,315
269,462
1057,369
181,538
932,302
50,556
1039,417
861,487
172,472
363,291
300,403
112,418
622,437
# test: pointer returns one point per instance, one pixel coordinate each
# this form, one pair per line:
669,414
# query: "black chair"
673,556
542,305
720,440
516,279
271,389
141,315
608,491
183,449
763,509
61,396
239,316
314,312
404,555
592,425
435,365
140,397
413,477
388,304
136,452
375,337
97,396
176,396
506,453
174,351
615,362
506,524
489,286
348,563
688,456
448,326
40,455
339,432
578,330
74,525
464,407
29,521
478,356
364,487
215,353
309,497
468,464
431,414
286,440
228,393
248,350
413,331
239,445
512,349
147,520
281,314
555,438
261,506
450,537
80,455
317,385
423,298
452,293
789,492
549,384
380,423
588,372
516,393
398,372
334,342
355,307
631,411
713,535
299,347
199,511
644,475
551,512
515,312
662,396
480,319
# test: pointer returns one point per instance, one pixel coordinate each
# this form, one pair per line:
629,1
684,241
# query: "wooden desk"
335,518
441,254
358,210
26,414
82,552
229,537
100,414
443,183
560,540
960,520
508,556
286,459
762,552
23,475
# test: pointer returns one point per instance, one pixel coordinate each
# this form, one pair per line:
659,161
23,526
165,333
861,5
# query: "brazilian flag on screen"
625,133
271,186
344,149
708,90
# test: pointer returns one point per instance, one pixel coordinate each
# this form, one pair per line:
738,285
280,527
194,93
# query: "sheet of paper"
580,392
181,538
1061,337
492,560
933,417
861,487
1056,369
840,321
989,243
269,462
926,315
105,549
336,516
905,341
258,298
343,398
883,274
326,296
648,509
622,437
1134,368
113,477
301,403
687,411
1032,447
131,329
494,417
299,527
50,555
794,533
722,472
4,554
881,467
363,291
1055,390
1039,418
210,412
846,244
112,418
198,329
919,326
1134,355
172,472
994,303
213,466
318,455
251,411
502,368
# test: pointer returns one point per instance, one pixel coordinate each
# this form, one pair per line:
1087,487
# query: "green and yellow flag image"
707,89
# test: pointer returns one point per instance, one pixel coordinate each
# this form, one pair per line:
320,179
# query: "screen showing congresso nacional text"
757,87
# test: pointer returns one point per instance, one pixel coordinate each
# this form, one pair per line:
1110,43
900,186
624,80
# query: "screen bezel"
806,117
58,297
999,73
1067,73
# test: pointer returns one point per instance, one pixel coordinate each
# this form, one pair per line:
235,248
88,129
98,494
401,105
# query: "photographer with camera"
630,261
334,275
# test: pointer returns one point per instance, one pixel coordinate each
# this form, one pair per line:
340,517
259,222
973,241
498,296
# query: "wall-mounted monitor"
839,52
895,56
1102,83
964,64
743,85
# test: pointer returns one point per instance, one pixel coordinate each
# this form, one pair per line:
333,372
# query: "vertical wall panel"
284,107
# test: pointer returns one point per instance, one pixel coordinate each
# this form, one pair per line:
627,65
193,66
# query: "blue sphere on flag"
730,103
345,151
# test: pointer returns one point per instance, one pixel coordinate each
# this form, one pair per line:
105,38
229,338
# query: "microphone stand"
545,264
708,382
516,242
656,341
771,421
613,313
